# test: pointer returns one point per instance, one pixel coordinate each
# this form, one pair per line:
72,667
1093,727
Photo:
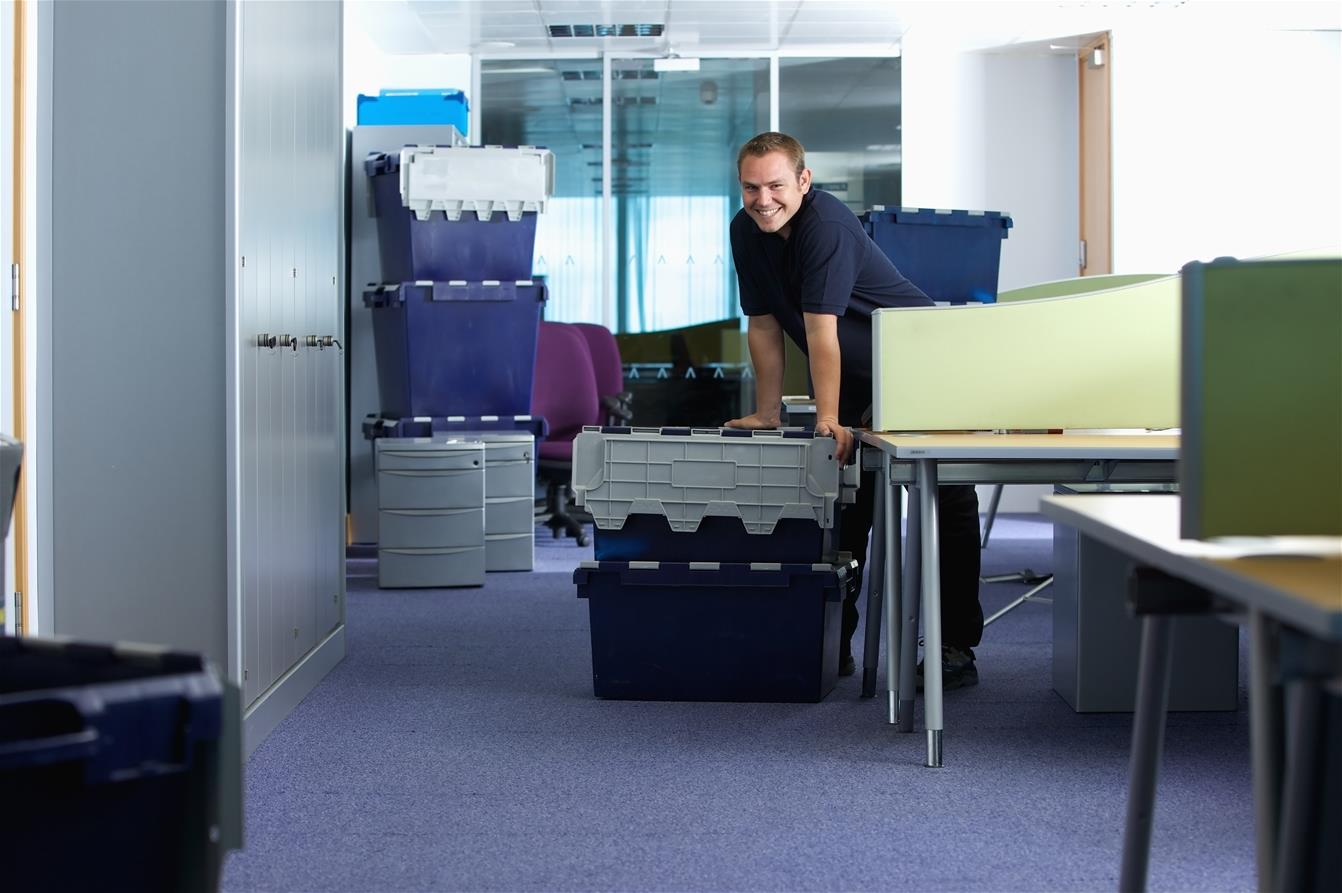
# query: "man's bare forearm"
822,346
765,337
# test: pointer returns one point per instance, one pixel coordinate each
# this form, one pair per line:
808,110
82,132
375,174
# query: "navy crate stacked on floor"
714,578
454,331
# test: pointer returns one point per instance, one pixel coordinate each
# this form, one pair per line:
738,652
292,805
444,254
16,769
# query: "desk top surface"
1297,580
985,445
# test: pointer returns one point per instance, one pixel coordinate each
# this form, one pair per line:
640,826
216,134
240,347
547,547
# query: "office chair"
564,393
605,351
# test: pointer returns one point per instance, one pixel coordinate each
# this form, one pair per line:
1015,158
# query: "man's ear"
804,180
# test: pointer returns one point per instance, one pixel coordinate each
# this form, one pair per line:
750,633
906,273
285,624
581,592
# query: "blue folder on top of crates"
714,578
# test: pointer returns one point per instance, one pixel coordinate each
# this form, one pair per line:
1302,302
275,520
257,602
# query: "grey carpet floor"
459,747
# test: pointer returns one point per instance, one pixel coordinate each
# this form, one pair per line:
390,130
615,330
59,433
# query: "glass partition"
846,112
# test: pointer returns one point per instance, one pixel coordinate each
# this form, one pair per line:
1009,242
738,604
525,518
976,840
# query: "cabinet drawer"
510,551
405,454
430,528
409,568
512,478
510,514
431,489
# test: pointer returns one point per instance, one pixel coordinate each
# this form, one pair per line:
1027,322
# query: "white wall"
996,130
368,69
1224,143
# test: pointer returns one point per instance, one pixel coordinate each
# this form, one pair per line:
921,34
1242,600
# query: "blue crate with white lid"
455,348
953,256
459,212
401,106
709,494
714,631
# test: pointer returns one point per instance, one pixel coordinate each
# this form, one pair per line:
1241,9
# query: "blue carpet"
459,747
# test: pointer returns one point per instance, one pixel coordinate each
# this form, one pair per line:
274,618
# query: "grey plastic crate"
431,528
411,568
686,476
510,514
510,551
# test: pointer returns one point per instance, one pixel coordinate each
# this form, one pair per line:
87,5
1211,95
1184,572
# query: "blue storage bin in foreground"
951,255
714,632
455,348
414,107
439,249
111,760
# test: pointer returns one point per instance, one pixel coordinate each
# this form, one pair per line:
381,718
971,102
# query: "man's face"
771,191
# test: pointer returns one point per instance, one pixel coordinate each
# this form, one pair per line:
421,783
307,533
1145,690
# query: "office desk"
1290,584
925,460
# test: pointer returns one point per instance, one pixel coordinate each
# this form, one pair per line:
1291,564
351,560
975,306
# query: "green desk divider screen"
1062,288
1261,395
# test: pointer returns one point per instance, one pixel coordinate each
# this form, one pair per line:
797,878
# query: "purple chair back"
605,358
564,388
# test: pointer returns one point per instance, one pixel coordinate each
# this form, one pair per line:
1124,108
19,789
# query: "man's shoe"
957,668
847,667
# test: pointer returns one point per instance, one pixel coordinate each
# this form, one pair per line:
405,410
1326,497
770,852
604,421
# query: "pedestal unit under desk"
431,512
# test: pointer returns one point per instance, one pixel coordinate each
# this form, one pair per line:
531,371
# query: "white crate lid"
483,179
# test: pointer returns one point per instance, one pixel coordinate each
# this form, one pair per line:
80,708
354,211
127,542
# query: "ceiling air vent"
606,30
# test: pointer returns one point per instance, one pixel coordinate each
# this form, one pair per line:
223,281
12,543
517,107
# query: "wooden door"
1095,253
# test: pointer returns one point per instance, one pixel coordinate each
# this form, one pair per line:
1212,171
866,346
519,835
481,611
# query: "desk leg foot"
893,707
934,748
906,715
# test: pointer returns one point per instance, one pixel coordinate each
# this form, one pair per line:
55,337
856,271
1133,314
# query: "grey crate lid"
686,475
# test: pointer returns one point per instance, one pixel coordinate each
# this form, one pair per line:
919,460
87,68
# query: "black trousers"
957,526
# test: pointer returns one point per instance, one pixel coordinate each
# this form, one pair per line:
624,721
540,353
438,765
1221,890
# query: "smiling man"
808,270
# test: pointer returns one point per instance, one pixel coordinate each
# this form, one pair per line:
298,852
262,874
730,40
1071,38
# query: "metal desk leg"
1265,723
927,496
910,592
1300,788
875,572
1148,738
890,504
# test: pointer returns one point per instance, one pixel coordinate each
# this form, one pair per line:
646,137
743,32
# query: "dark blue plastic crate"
455,348
110,767
414,107
951,255
714,632
438,249
375,426
646,537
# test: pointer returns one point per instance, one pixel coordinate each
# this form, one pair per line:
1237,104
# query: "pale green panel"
1107,359
1262,449
1080,285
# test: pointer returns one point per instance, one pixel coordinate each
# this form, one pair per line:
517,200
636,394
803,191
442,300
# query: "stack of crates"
953,256
455,325
714,578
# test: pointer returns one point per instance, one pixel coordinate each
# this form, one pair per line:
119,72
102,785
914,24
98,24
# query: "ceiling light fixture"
676,63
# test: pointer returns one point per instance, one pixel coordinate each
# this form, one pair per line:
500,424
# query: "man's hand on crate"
843,438
755,421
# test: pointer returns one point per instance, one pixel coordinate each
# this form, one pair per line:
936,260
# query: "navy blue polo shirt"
828,264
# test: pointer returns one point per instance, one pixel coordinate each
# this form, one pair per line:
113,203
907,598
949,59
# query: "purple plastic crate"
439,249
455,348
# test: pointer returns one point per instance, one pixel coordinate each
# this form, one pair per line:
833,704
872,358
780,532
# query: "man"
808,269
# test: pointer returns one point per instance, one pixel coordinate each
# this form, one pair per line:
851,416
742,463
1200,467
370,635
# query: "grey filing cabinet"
431,512
1097,641
510,494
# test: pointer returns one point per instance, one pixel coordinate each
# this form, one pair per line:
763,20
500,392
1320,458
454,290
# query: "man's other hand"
843,438
754,422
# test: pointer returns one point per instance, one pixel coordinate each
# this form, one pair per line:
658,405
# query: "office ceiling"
525,28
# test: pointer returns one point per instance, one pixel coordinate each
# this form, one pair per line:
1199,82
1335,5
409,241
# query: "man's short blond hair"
771,141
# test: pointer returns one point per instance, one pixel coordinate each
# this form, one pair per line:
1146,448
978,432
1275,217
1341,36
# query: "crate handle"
62,748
